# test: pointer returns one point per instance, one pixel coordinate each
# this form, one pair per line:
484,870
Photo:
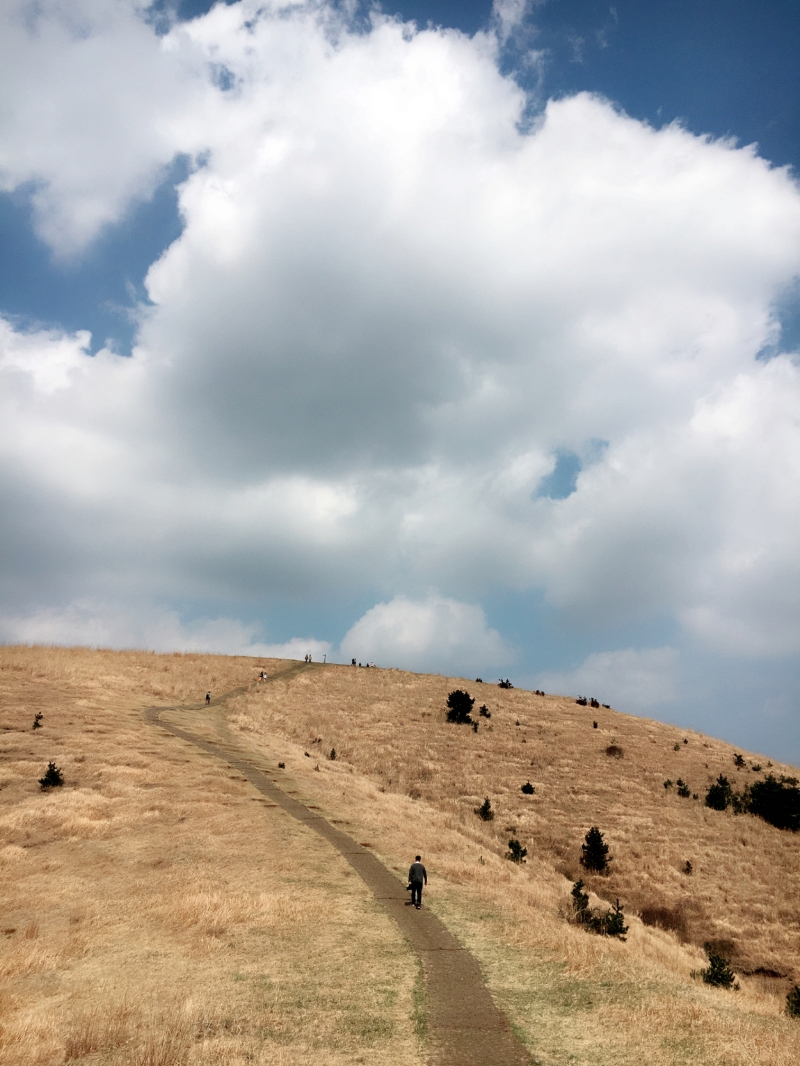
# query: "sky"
457,337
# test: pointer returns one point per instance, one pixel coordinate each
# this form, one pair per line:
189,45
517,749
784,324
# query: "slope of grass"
155,911
408,781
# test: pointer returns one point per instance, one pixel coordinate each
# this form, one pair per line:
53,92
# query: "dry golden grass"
406,781
156,911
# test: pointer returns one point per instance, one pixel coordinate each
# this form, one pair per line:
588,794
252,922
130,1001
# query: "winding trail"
464,1026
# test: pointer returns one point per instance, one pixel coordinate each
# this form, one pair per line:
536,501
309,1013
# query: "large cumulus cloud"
394,302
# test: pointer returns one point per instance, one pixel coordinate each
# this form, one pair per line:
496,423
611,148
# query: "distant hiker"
417,877
208,698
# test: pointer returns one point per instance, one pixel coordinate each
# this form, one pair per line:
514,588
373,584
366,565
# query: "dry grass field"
157,911
410,781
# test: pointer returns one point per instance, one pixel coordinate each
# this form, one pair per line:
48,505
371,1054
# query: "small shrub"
37,720
688,869
606,706
594,725
332,755
504,684
738,761
528,789
668,783
474,727
281,765
581,701
720,794
516,852
595,851
485,810
718,972
683,789
459,704
676,747
614,751
685,741
793,1002
594,703
580,903
484,711
53,778
613,922
757,767
478,680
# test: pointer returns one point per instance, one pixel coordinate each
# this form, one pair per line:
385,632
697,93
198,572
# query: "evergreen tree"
459,705
516,852
613,923
528,789
793,1002
595,851
580,903
720,795
37,720
53,778
485,810
718,971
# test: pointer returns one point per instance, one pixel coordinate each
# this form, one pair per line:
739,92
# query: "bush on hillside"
485,810
612,923
516,852
484,711
777,802
528,789
332,755
720,795
504,684
683,789
738,761
595,851
53,778
793,1002
614,751
459,704
718,972
37,720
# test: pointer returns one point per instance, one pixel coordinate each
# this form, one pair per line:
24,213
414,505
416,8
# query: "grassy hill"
159,853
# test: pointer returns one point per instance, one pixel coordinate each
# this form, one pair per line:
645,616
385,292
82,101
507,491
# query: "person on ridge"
208,697
417,877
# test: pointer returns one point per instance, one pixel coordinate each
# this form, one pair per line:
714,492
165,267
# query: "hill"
403,780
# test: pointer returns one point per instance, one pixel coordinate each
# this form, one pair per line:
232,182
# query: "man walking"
417,877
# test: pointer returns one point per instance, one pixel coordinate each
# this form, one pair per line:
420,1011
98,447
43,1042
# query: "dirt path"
464,1026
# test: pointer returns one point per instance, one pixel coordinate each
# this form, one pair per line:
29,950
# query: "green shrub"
718,972
37,720
516,852
460,705
528,789
595,851
777,802
612,923
53,778
485,810
720,794
793,1002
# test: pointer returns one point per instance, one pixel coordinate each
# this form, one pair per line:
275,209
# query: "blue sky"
469,346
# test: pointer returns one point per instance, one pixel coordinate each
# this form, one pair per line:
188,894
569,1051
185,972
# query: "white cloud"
155,629
388,309
434,634
631,680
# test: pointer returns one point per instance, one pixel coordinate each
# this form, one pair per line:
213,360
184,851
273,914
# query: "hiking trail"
464,1026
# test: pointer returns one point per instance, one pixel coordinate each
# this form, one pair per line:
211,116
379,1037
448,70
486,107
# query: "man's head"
417,858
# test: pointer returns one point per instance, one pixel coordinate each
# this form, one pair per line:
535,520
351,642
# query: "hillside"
403,780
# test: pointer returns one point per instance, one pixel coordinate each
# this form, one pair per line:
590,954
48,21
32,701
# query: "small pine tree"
53,778
281,765
37,720
718,971
484,711
580,903
516,852
459,705
528,789
613,923
332,755
683,789
688,869
793,1002
720,794
485,810
594,725
738,761
595,851
668,783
